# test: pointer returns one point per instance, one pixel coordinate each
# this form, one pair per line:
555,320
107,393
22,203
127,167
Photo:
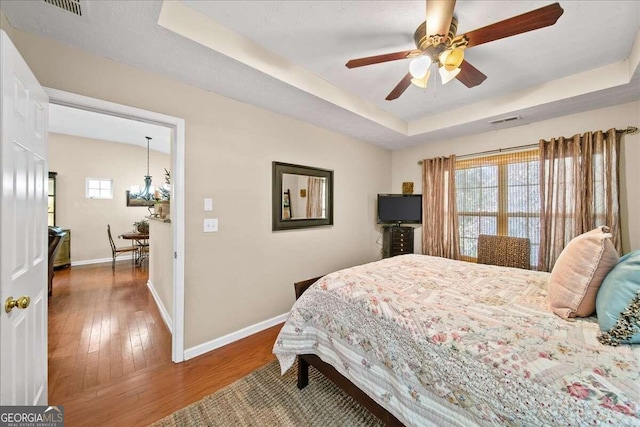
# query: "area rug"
265,398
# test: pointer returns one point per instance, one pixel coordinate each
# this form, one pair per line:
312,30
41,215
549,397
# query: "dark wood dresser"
63,255
397,241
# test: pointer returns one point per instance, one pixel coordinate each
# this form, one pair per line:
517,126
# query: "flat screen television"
399,209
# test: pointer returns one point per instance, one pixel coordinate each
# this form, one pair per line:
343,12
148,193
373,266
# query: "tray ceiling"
289,57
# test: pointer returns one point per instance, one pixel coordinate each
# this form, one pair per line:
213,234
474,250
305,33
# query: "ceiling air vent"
504,120
72,6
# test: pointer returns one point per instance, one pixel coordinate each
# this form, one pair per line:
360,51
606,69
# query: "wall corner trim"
163,310
100,260
203,348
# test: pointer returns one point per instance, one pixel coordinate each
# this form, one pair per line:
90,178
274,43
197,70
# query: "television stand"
396,240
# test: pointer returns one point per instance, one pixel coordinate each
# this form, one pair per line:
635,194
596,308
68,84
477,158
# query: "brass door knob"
22,303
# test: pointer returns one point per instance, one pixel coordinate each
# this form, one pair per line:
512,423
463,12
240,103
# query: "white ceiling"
289,56
89,124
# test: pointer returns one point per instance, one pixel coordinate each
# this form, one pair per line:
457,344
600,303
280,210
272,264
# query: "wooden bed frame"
306,360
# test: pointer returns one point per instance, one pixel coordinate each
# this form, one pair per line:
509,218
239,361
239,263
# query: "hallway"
103,326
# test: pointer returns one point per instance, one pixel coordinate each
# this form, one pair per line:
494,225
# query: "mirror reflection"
303,197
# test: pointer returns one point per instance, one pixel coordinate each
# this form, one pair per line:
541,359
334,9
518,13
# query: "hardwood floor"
103,325
110,353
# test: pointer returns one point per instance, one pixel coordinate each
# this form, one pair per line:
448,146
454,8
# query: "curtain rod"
630,130
496,151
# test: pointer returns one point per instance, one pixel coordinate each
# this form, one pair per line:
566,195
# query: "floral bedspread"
445,342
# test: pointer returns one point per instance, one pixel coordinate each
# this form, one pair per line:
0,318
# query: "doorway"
177,127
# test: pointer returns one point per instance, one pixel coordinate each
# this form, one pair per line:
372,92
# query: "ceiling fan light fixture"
447,76
439,33
419,67
423,81
452,58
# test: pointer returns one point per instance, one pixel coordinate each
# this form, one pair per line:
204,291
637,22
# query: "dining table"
141,240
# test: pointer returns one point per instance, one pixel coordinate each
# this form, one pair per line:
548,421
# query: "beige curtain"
440,234
578,190
315,197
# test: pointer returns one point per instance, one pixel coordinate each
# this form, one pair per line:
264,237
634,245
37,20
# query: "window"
99,188
498,195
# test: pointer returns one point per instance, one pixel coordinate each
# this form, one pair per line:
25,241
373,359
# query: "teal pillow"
618,302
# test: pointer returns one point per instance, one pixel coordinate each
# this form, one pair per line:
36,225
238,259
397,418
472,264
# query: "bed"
431,341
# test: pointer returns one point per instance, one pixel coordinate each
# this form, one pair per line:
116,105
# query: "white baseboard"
206,347
163,310
100,260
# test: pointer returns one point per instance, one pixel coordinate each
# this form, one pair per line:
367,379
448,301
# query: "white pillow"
579,272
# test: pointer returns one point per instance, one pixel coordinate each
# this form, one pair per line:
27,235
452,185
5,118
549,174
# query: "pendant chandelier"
147,193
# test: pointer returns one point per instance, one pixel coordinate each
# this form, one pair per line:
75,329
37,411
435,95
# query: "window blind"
498,195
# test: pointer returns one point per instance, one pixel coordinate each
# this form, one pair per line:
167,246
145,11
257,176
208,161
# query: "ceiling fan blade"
370,60
469,75
539,18
400,88
439,14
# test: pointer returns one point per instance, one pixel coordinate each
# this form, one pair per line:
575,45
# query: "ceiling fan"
437,43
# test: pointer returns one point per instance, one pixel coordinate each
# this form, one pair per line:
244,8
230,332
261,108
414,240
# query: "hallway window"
99,188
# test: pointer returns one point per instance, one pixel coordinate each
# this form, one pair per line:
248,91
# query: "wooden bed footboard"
306,360
302,286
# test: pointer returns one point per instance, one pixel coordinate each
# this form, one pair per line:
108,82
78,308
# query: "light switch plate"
210,225
208,204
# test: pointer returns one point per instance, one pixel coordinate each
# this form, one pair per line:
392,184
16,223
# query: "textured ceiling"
88,124
308,42
323,36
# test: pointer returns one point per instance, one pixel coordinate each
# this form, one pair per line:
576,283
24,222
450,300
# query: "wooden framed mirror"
302,196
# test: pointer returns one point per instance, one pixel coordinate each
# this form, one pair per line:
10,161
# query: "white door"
23,232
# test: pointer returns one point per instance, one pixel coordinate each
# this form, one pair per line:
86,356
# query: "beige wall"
75,159
244,273
161,262
4,24
405,167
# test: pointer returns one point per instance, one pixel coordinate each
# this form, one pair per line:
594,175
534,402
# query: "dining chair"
115,251
505,251
143,253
